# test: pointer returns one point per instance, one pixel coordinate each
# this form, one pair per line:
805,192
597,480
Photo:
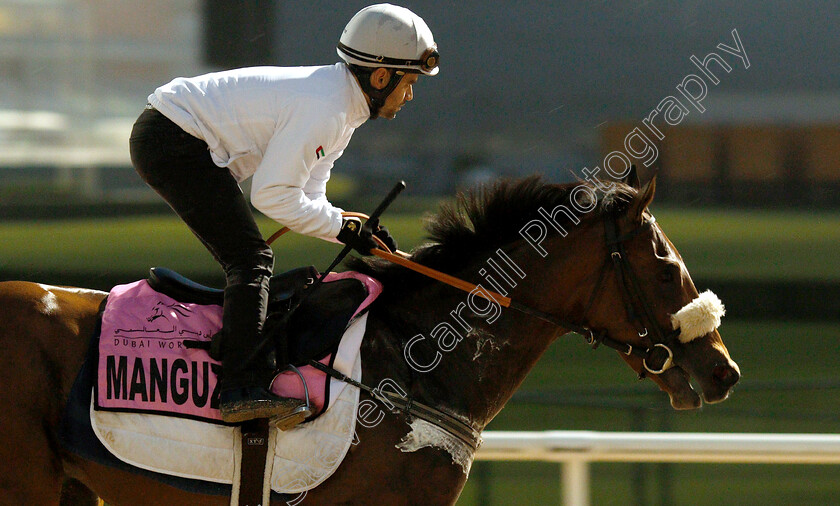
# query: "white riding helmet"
386,35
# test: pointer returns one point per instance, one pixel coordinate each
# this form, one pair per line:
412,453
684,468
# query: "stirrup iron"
300,414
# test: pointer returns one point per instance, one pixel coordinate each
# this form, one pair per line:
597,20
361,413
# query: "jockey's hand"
382,233
356,236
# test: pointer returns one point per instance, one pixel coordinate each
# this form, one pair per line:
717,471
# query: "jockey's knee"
252,266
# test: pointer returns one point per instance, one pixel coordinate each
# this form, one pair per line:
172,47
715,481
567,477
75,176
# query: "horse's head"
646,298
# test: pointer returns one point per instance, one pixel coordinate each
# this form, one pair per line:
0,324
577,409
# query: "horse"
583,257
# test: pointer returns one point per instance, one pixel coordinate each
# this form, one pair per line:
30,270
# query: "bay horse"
590,256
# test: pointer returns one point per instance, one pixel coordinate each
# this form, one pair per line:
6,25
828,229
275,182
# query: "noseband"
638,310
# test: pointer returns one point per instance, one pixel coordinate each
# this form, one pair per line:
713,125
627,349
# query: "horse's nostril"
726,375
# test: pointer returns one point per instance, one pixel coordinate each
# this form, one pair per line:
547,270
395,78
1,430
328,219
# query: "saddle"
314,328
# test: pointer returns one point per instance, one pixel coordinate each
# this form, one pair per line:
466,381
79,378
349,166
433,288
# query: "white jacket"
285,126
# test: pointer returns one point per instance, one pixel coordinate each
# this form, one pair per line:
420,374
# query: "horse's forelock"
618,200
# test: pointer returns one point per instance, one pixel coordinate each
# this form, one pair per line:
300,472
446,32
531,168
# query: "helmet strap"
377,96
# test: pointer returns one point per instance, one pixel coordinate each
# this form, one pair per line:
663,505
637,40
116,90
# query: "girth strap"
454,426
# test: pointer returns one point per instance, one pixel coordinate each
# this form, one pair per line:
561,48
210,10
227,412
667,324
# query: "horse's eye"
667,276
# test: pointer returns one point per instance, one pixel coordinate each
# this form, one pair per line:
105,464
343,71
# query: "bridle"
636,305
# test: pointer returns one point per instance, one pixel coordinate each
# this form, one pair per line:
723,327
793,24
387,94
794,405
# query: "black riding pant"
207,197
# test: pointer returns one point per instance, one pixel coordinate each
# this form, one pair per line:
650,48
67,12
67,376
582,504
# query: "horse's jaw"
675,382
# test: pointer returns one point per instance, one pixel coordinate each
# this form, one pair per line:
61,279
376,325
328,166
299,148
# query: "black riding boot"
246,370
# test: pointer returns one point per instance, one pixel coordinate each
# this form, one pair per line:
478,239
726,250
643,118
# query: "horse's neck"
458,353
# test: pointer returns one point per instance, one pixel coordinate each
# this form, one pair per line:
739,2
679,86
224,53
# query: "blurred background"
748,183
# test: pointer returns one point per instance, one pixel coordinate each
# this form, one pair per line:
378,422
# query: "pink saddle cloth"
144,366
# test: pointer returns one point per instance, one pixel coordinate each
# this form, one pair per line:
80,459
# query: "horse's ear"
632,178
643,199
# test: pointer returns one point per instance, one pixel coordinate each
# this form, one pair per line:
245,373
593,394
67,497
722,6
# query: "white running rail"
576,449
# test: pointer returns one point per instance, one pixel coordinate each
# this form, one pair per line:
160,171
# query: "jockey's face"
403,93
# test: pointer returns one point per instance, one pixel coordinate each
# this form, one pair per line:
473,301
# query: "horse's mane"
489,217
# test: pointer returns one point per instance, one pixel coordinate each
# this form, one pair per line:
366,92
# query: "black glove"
357,237
381,232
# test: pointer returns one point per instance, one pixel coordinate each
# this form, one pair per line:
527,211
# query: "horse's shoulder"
56,320
48,299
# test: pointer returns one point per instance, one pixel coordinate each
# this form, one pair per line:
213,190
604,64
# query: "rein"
591,337
629,284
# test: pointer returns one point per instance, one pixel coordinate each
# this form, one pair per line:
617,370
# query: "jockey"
284,127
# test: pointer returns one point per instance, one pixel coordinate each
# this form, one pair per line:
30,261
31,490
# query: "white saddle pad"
303,457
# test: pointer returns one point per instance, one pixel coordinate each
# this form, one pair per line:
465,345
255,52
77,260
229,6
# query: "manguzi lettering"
177,380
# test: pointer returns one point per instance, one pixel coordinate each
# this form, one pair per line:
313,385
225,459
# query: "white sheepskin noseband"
698,317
